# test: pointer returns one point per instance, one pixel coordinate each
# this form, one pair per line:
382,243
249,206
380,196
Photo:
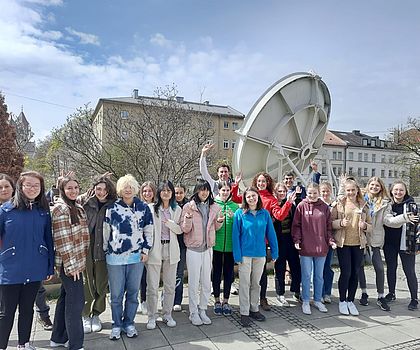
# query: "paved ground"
285,328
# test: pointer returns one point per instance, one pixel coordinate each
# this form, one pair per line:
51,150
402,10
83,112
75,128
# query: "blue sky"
68,53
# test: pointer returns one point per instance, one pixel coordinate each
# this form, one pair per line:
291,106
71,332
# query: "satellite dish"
284,129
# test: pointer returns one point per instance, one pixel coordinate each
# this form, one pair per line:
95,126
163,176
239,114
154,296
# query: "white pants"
199,279
250,272
169,280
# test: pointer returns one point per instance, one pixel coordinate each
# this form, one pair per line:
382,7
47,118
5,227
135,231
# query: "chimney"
206,103
135,93
179,99
356,132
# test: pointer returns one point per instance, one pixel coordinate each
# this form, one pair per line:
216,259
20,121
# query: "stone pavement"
285,328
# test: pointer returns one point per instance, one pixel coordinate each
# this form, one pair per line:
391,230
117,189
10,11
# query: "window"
124,114
395,173
365,172
232,144
335,171
225,144
372,143
210,123
323,171
225,124
359,172
373,158
359,156
350,155
351,171
382,158
382,173
339,155
335,155
390,159
235,125
364,142
403,173
365,157
339,171
373,172
389,173
124,135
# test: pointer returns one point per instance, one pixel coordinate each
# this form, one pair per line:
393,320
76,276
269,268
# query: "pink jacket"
193,228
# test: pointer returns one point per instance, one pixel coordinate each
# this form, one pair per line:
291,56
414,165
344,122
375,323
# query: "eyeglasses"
29,186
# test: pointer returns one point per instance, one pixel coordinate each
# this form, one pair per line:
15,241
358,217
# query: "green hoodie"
224,234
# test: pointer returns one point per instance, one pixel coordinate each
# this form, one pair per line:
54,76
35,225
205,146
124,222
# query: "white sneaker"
352,308
342,307
115,333
195,319
306,308
96,324
206,320
53,344
151,323
320,306
327,299
142,308
26,346
282,301
170,322
177,308
87,325
131,332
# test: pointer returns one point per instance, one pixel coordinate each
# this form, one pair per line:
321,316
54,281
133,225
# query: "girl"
252,226
27,255
200,220
164,254
222,251
7,188
287,251
312,235
147,195
96,275
71,243
395,244
128,236
351,222
325,190
180,196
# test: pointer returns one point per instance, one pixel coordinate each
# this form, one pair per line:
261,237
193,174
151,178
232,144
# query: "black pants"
68,313
264,282
287,252
409,267
222,261
11,296
143,286
349,258
41,305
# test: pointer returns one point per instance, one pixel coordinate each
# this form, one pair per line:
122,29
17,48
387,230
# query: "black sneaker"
257,316
245,320
413,305
383,304
390,297
364,300
46,323
298,297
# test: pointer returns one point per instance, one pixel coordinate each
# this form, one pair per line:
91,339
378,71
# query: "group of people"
130,237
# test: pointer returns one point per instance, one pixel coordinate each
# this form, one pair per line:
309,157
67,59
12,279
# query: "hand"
344,222
362,225
298,190
49,278
273,260
188,215
107,174
291,197
230,213
334,245
144,258
238,177
297,246
413,218
75,275
220,217
206,148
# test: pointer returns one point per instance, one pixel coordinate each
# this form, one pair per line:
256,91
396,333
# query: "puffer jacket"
224,234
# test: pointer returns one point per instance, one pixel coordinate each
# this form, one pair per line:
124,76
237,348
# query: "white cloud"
85,38
45,2
159,39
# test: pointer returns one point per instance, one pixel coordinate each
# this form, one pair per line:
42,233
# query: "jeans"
11,296
179,286
222,261
328,274
349,259
41,305
309,264
124,281
68,312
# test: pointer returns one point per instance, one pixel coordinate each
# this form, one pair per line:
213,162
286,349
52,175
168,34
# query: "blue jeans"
179,286
328,274
124,280
306,264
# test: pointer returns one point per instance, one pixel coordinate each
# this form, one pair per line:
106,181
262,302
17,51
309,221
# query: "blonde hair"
326,184
383,193
359,196
127,180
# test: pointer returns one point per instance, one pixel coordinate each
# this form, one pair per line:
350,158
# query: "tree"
11,160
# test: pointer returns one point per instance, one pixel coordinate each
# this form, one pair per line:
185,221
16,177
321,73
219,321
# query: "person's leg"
41,306
263,283
26,310
89,285
361,275
280,265
244,285
117,281
179,288
294,266
356,256
306,272
101,287
328,274
133,278
228,263
169,281
153,278
344,261
409,267
217,273
378,265
205,278
318,276
391,259
9,298
257,269
194,271
143,286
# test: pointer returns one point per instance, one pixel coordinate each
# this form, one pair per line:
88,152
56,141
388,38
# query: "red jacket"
312,228
269,202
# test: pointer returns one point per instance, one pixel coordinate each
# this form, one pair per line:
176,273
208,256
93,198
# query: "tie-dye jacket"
128,232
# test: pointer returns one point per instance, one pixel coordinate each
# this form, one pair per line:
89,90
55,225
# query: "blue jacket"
26,245
250,233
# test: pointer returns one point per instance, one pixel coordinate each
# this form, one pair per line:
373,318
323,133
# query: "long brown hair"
74,211
245,205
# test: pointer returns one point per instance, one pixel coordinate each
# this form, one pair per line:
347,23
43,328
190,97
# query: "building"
24,134
223,120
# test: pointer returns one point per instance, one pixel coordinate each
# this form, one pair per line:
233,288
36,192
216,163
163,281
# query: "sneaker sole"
383,308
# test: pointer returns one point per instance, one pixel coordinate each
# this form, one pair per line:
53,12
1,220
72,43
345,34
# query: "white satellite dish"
284,129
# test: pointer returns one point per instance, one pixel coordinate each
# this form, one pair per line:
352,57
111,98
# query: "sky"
58,55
